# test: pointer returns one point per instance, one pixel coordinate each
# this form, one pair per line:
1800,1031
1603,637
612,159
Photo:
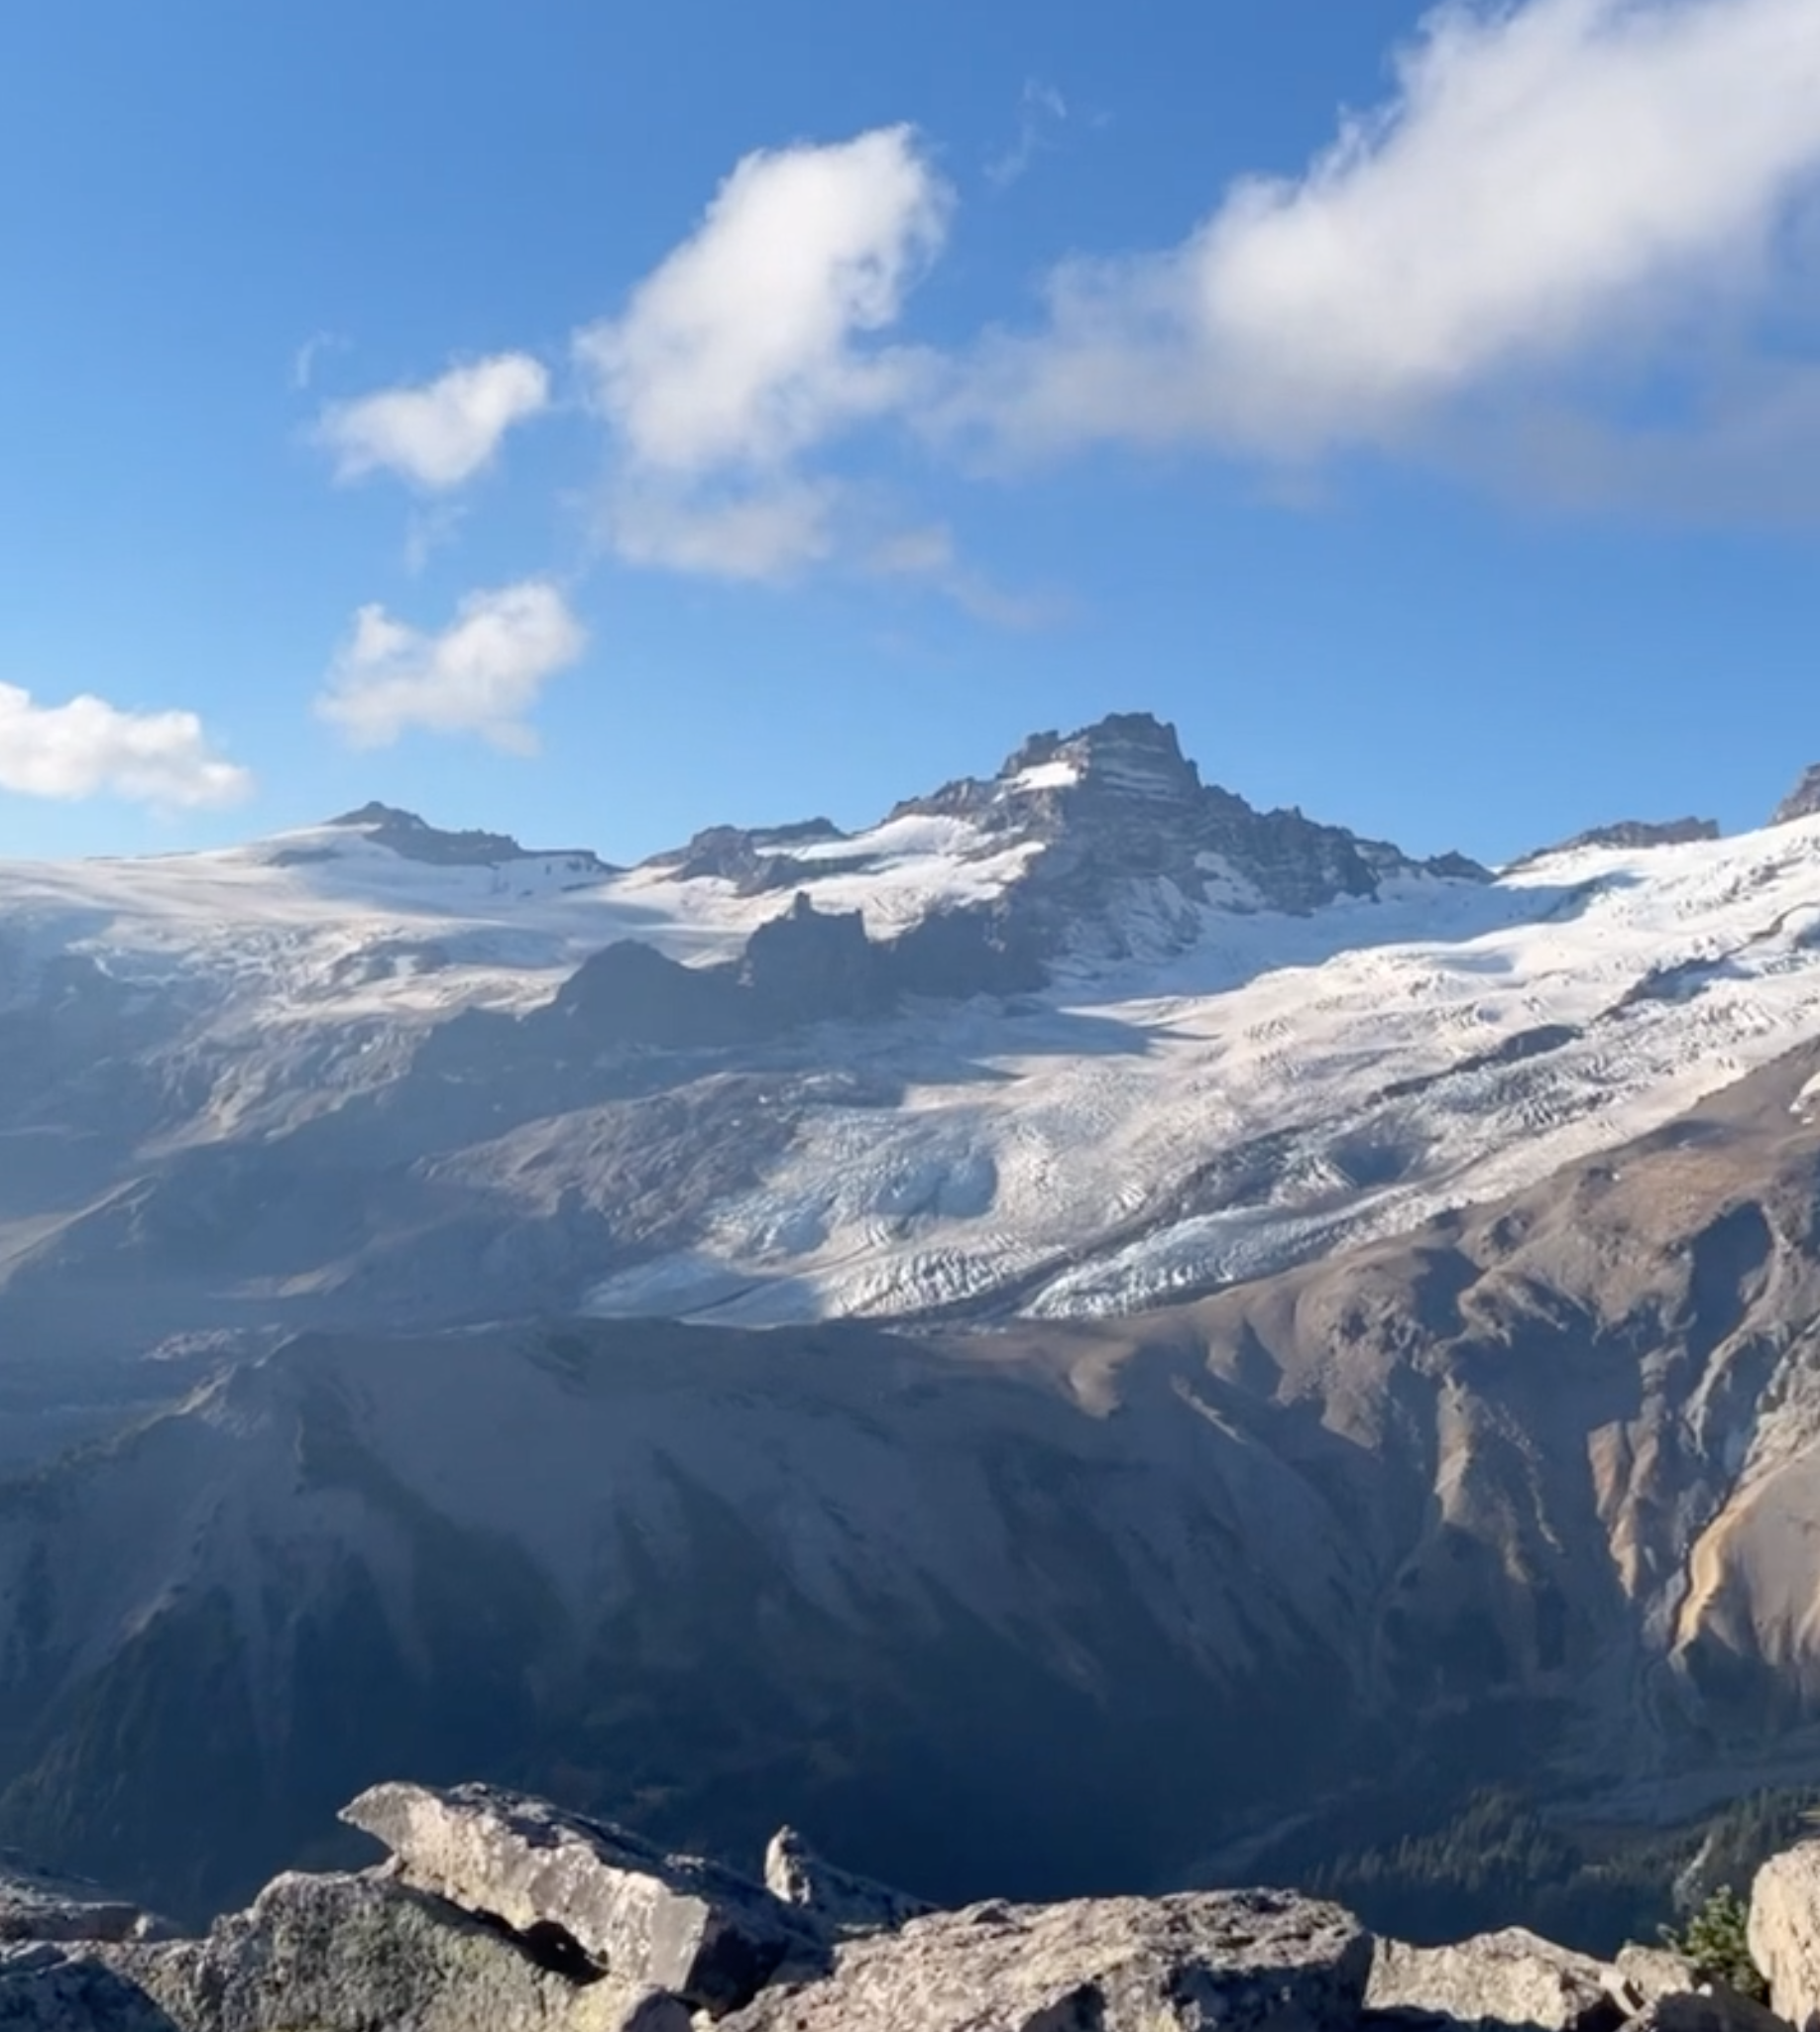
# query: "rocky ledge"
499,1913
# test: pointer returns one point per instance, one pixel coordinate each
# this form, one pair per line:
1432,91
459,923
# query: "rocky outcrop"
1786,1932
1643,1975
502,1913
1712,2007
357,1954
1804,801
838,1901
414,839
806,966
39,1905
660,1922
1243,1960
1628,834
1510,1979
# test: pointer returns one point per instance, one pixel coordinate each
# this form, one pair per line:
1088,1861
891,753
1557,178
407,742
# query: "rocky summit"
494,1912
1804,801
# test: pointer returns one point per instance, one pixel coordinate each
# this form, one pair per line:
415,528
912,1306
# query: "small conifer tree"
1716,1939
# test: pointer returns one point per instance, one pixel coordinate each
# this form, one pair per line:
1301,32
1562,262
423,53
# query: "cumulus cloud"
440,435
756,341
1548,179
89,749
482,674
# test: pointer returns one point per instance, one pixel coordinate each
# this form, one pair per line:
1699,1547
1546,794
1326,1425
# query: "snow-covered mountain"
1071,1040
339,1125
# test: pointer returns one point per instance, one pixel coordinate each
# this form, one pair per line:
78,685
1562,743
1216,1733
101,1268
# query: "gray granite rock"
39,1905
1642,1975
1784,1933
1245,1961
367,1954
1509,1979
658,1922
840,1902
59,1988
1713,2007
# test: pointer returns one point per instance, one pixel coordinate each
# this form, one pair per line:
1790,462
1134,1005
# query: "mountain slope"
1524,1495
1073,1039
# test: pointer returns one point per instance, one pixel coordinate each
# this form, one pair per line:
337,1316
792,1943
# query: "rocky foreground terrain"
495,1912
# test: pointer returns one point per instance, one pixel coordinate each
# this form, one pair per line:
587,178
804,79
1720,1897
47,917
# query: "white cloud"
480,675
754,342
1041,109
89,749
740,349
770,531
1549,179
303,360
440,435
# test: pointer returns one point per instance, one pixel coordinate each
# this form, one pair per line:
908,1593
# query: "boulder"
1784,1933
357,1954
1713,2007
37,1905
1643,1975
1243,1960
838,1901
656,1922
48,1986
1514,1977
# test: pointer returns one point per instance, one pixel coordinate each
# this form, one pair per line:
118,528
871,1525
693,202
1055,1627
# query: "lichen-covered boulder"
1242,1961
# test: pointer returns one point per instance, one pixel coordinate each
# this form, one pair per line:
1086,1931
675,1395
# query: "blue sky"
598,420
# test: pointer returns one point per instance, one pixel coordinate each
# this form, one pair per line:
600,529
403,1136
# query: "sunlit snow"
1142,1128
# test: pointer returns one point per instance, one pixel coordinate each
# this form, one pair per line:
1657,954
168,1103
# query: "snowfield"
1145,1128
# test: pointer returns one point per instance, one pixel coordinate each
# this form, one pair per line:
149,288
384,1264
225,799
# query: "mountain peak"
1129,753
1804,801
413,837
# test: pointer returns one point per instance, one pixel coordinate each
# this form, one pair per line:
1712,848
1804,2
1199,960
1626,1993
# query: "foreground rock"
51,1988
355,1954
502,1913
321,1954
1785,1932
1643,1975
658,1922
37,1905
1513,1978
1714,2007
835,1900
1236,1960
